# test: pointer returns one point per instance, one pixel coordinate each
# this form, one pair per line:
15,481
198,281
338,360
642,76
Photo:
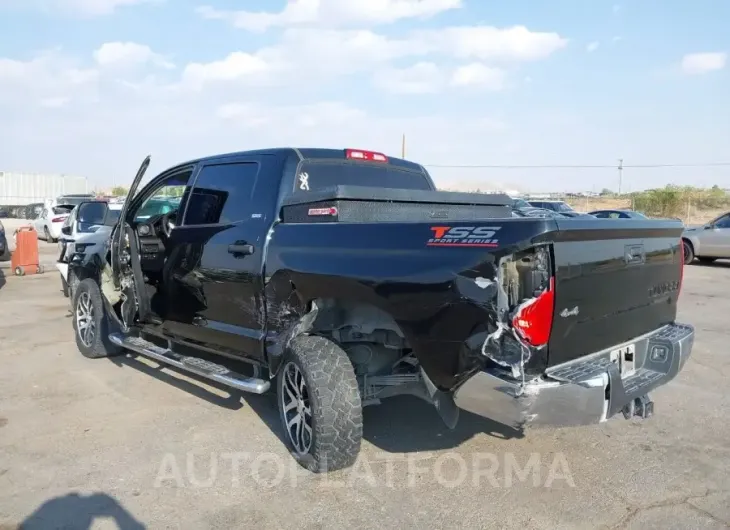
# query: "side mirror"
709,227
92,213
66,230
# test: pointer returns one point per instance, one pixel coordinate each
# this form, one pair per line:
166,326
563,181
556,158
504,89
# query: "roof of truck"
305,153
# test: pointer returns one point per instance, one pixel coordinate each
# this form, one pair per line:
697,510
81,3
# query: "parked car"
525,209
342,277
558,206
49,222
708,242
618,214
85,234
4,247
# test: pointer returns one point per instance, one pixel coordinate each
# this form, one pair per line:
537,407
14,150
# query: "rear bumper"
582,392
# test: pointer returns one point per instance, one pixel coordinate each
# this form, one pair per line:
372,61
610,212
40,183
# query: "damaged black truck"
342,277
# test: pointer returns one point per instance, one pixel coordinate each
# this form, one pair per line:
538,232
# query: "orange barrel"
24,260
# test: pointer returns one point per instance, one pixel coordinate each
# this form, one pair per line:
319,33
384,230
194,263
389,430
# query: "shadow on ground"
720,264
77,511
402,424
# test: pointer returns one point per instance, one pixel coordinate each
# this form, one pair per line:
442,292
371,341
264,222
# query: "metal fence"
27,188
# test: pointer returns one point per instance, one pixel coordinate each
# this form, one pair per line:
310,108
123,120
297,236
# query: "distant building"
28,188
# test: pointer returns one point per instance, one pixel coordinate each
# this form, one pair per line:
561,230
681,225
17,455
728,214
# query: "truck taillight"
534,319
681,265
371,156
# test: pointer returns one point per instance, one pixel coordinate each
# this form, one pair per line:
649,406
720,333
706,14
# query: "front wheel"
689,252
319,404
90,322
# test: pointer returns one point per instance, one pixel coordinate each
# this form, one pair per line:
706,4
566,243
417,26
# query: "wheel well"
370,335
689,242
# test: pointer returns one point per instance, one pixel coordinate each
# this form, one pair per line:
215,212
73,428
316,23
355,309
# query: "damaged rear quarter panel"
443,299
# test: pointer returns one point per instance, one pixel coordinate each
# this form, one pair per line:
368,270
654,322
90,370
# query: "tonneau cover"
365,193
361,204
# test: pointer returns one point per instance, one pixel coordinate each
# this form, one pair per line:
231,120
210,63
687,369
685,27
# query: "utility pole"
620,174
403,147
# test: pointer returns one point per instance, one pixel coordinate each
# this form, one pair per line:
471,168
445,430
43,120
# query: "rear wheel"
90,322
689,252
319,404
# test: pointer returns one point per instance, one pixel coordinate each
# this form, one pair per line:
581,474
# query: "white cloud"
516,43
478,75
702,63
421,78
54,102
331,13
126,54
313,56
87,8
593,46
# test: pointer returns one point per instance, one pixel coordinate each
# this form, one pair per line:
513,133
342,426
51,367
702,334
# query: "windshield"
65,208
75,201
317,175
562,207
156,206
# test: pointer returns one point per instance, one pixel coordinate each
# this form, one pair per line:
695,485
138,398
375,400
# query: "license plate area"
625,357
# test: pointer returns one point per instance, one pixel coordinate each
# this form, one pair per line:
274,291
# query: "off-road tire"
100,345
334,397
688,252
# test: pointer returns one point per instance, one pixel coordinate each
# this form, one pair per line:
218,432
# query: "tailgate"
615,280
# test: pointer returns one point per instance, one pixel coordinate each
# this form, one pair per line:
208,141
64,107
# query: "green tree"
119,191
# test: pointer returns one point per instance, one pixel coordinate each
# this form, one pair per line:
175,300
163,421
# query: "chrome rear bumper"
586,391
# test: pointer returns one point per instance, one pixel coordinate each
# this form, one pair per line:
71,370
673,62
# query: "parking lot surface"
123,440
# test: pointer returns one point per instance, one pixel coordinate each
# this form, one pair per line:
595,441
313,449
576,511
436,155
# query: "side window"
222,194
164,198
723,222
601,215
615,215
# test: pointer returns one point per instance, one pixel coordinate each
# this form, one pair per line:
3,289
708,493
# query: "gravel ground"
84,441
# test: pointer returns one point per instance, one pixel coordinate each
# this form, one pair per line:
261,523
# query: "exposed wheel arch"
688,250
345,322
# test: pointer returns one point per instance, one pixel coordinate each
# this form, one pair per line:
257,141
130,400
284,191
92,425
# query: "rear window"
60,210
317,175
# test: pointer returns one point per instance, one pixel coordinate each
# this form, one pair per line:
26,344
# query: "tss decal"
464,236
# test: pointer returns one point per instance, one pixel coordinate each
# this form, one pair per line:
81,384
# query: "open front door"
125,259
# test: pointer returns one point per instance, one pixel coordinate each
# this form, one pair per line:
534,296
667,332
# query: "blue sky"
91,86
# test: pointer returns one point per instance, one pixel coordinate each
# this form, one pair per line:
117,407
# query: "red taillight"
58,219
534,319
681,265
332,211
371,156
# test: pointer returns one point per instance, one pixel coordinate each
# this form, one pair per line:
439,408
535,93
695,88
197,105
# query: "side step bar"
214,372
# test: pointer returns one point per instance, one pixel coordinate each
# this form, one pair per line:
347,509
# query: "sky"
90,87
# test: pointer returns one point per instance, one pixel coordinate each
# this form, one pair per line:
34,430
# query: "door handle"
240,249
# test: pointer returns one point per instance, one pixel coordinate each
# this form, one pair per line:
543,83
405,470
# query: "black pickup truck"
343,277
